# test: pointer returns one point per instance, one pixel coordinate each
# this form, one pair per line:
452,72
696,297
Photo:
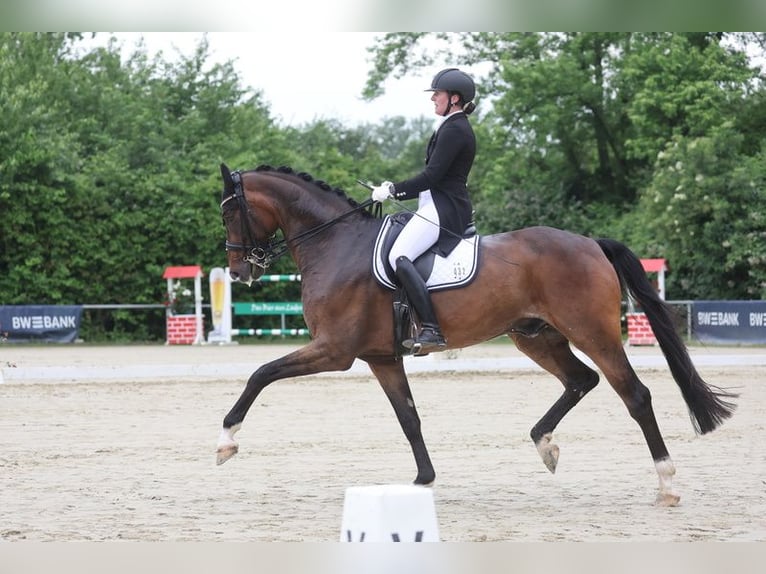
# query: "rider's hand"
383,191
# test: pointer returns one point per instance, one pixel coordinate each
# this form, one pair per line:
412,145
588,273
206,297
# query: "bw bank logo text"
20,323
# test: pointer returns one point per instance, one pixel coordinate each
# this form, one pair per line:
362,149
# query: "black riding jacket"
449,158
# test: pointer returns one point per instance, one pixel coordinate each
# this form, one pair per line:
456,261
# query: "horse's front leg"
313,358
390,373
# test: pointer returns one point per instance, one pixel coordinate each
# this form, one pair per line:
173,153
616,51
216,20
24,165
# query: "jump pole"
221,308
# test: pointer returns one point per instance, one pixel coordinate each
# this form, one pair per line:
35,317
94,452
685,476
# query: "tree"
704,212
38,155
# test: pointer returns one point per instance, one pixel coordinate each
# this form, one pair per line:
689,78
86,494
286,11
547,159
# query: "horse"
547,289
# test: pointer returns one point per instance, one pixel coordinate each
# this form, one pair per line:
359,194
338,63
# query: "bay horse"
545,288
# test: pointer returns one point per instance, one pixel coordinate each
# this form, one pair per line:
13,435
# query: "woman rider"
444,207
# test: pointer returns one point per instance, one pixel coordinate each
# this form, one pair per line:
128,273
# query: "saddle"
455,270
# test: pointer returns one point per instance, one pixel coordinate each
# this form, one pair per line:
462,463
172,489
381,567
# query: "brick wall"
639,330
181,329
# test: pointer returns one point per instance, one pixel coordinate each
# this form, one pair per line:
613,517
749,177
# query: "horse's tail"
707,404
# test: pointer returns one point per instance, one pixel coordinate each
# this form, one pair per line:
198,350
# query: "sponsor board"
729,321
40,323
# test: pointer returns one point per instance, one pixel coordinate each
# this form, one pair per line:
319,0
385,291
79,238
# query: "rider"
444,207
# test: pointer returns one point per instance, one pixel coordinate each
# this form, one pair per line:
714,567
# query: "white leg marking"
226,438
227,446
665,472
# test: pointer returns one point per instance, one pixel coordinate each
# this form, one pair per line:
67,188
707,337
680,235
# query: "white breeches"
420,233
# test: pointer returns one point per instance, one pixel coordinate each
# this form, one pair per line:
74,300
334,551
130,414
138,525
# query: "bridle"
258,253
263,253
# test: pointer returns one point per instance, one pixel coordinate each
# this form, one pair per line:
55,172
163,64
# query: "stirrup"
428,340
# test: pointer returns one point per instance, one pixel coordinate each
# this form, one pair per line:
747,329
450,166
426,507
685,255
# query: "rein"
263,254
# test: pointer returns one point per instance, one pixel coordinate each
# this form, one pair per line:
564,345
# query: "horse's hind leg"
638,400
550,349
390,373
553,352
611,359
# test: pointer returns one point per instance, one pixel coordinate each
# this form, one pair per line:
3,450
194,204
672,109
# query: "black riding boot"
430,337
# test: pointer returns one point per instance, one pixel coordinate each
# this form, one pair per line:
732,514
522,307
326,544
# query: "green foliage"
679,85
109,169
705,211
392,56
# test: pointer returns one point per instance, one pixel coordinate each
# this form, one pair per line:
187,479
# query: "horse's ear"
225,173
228,182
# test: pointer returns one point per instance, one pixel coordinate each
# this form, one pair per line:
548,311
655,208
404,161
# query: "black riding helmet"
454,81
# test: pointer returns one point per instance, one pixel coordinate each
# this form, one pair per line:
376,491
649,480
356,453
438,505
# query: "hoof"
667,500
551,458
225,453
548,452
227,446
425,480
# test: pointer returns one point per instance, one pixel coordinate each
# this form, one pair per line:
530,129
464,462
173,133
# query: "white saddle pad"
455,270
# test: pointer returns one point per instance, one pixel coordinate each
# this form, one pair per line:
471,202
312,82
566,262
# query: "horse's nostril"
234,275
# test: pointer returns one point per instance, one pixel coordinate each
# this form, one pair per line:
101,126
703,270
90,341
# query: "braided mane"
324,186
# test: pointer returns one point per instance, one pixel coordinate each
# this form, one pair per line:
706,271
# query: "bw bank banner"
44,323
729,321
